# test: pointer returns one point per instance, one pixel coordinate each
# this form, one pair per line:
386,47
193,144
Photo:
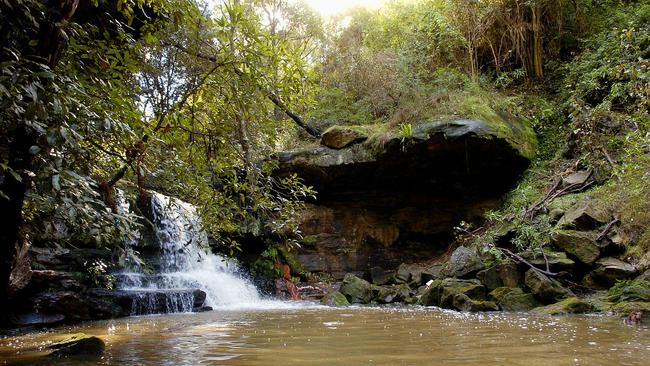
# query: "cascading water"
184,267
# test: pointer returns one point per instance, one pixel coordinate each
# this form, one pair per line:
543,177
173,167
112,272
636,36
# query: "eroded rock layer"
385,201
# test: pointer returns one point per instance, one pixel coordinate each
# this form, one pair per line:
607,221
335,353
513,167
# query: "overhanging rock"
383,201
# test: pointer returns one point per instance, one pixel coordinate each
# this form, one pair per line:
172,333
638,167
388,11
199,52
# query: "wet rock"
34,318
334,299
545,289
452,286
431,294
314,290
338,137
199,297
391,294
500,275
431,273
409,273
463,302
49,279
356,290
627,308
285,289
67,303
78,345
464,263
380,276
610,270
513,299
580,244
202,309
557,261
571,305
585,215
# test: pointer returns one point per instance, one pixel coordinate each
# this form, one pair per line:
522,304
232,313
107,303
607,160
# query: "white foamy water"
186,263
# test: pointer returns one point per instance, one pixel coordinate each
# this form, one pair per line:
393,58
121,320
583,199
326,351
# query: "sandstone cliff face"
381,203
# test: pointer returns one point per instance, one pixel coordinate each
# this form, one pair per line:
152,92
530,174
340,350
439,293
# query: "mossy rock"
571,305
356,290
334,299
338,137
473,289
610,270
463,302
517,134
431,295
500,275
585,215
557,261
464,262
513,299
390,294
79,344
580,244
626,307
545,289
626,291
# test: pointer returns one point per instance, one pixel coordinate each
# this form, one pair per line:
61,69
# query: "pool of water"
314,335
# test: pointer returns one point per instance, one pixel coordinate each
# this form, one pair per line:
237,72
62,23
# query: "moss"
335,299
571,305
626,307
634,290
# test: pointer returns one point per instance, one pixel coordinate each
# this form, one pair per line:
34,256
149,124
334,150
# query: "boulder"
380,276
77,345
545,289
463,302
334,299
571,305
585,215
338,137
356,290
431,273
513,299
464,263
578,178
431,294
500,275
557,261
452,286
409,273
391,294
580,244
610,270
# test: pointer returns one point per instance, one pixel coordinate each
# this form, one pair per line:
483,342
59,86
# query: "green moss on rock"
571,305
334,299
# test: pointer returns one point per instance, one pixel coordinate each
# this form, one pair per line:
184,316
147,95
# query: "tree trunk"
11,218
538,70
51,43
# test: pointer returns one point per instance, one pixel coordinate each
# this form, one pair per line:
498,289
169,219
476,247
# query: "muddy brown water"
312,335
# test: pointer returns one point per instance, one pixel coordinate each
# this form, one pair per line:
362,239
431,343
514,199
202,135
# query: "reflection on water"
350,336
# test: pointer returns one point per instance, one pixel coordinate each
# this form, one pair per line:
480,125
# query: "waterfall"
185,265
